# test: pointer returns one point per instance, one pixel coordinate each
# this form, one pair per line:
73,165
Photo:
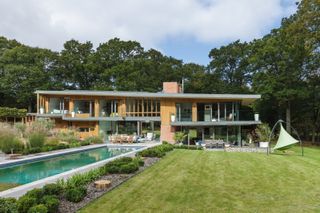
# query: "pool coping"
47,155
18,191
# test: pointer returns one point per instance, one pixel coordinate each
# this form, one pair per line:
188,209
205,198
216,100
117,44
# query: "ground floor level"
153,130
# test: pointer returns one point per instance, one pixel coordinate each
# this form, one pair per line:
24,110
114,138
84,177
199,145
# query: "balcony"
205,118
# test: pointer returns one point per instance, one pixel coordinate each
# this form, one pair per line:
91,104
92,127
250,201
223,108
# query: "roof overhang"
245,98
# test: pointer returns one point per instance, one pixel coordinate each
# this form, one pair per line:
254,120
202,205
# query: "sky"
184,29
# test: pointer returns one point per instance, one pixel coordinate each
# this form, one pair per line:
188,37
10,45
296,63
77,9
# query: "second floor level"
165,107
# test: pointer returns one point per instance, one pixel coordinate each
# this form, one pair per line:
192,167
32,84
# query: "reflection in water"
29,172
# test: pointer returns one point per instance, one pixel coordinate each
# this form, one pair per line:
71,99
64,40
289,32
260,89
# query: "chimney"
171,87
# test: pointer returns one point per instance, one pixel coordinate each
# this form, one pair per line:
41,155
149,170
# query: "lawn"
203,181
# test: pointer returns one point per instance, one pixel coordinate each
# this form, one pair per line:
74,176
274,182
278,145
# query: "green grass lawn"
203,181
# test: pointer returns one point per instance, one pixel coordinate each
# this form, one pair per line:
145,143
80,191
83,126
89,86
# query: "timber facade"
225,117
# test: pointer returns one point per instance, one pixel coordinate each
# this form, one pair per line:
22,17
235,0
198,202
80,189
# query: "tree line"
283,66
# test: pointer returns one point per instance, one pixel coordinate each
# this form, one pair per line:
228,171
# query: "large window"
84,107
55,106
184,111
108,108
142,107
220,111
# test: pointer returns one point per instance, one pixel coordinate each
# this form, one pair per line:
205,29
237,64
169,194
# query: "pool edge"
18,191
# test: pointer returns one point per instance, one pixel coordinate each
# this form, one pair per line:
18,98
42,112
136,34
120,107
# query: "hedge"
12,112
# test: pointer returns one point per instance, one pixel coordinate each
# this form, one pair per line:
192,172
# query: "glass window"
54,106
184,112
83,107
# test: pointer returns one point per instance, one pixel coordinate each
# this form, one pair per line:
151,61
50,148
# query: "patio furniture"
149,136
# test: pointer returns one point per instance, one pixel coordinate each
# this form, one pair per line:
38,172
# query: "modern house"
211,116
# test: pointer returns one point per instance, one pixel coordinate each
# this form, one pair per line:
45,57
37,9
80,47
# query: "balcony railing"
241,115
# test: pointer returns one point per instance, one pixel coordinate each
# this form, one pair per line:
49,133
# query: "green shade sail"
285,140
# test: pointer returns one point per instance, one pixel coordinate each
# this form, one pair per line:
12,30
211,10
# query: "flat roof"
150,94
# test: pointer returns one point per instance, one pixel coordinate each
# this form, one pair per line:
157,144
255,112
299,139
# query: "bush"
9,142
52,189
74,144
35,193
94,140
84,143
139,161
192,147
25,203
129,168
36,140
124,165
32,150
41,208
8,205
76,194
158,151
62,146
51,202
52,142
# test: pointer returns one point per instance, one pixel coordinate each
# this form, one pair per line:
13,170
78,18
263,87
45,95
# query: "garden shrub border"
49,197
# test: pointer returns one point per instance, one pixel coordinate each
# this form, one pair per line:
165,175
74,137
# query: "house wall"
167,108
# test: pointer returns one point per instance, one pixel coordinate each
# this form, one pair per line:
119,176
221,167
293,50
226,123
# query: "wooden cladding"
146,107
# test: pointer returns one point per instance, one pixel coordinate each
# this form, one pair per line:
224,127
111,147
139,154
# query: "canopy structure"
285,140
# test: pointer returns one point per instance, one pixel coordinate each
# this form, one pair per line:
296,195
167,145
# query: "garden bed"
93,193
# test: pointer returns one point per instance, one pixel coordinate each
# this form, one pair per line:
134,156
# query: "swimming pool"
29,172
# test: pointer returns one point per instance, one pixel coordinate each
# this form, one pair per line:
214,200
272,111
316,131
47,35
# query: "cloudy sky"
185,29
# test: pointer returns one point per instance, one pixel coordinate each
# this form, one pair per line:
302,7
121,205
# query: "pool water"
29,172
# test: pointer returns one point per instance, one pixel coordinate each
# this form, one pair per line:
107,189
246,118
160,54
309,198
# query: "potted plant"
179,137
263,131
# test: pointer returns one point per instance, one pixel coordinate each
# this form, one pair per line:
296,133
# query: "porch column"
239,136
202,132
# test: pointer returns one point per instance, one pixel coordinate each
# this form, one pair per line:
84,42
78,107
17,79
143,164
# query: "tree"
24,70
230,64
77,66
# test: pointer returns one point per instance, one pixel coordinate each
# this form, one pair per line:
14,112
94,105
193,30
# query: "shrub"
35,193
83,179
62,146
52,189
74,144
41,126
152,152
36,140
51,202
8,205
67,136
52,142
32,150
158,151
9,142
76,194
94,140
25,203
129,168
41,208
139,161
84,143
123,165
192,147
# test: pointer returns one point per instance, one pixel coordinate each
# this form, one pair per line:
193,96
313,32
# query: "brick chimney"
171,87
